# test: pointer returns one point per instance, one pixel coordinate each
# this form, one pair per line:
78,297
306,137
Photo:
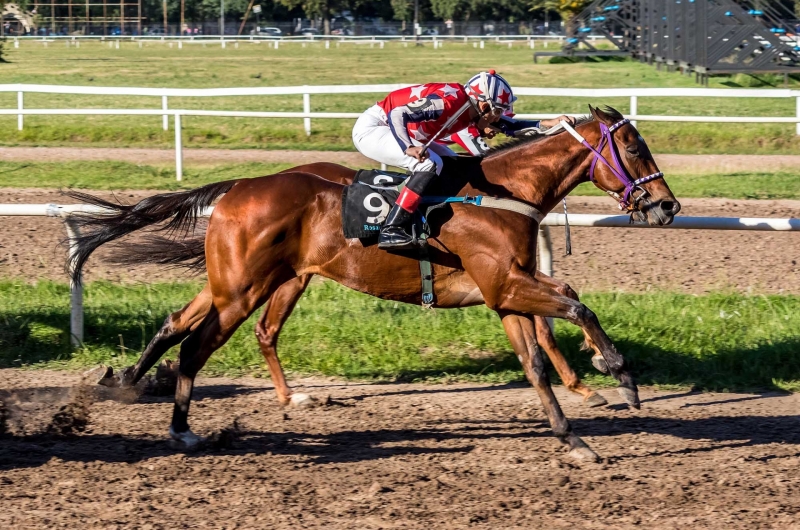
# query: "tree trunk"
326,23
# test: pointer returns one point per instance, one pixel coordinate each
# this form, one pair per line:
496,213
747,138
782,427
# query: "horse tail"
185,253
181,209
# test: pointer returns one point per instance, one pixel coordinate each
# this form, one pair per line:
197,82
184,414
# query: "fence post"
798,115
307,110
178,149
20,107
165,118
545,264
75,289
634,108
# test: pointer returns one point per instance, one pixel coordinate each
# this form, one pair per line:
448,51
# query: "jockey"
394,131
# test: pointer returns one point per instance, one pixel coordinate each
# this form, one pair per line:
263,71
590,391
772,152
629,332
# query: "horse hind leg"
279,308
174,330
521,333
568,376
231,305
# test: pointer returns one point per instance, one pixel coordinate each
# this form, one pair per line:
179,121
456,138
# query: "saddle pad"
365,205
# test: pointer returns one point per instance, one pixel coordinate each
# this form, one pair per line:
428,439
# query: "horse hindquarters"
254,241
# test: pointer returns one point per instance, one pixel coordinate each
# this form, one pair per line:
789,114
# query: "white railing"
306,91
545,248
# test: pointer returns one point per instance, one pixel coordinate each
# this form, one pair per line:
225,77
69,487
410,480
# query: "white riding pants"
374,139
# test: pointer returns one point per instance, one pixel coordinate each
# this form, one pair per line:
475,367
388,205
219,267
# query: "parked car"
268,32
309,32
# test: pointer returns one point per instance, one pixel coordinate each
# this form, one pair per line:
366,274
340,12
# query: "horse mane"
552,131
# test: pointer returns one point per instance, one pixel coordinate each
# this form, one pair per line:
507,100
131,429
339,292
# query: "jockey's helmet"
489,87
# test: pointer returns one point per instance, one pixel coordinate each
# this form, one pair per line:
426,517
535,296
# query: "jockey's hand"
555,121
490,132
415,151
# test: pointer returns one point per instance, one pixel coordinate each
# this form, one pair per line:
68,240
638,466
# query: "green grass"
779,185
114,175
256,65
719,342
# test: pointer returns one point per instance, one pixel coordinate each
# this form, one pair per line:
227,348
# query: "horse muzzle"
660,212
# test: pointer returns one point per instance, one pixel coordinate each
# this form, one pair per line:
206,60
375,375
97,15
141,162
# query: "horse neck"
542,173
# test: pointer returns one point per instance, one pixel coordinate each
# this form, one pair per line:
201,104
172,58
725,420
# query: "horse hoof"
98,375
301,400
595,400
184,441
630,396
600,364
583,454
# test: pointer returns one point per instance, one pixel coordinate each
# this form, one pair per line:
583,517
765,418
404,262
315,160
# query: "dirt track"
604,259
403,456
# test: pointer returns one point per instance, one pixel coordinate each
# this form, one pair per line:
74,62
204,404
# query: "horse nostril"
668,206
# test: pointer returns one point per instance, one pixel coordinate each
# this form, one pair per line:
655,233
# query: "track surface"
604,259
401,456
667,163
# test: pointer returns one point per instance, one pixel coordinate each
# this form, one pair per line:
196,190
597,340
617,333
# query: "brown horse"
279,307
271,230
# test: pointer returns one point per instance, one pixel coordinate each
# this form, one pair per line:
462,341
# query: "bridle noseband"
631,185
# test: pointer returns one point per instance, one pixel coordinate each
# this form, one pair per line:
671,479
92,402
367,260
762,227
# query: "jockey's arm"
510,126
427,109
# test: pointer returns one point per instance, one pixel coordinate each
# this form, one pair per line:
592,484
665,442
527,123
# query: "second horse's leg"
521,332
568,376
269,326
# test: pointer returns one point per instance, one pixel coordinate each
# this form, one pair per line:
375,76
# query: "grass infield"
717,342
198,66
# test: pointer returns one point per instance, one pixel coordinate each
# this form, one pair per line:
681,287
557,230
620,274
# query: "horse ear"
599,115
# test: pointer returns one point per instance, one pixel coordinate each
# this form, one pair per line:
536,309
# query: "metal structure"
701,36
89,17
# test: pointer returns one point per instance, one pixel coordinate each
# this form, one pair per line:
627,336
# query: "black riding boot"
395,232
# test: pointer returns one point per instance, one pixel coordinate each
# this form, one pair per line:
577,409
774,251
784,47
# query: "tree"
568,9
402,10
446,10
319,8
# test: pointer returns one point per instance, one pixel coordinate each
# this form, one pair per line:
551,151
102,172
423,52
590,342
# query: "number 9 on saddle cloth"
366,203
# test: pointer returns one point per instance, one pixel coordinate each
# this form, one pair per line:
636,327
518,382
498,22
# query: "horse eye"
633,150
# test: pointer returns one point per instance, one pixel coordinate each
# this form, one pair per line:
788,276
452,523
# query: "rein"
617,169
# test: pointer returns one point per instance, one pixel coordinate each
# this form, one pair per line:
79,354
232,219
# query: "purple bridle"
617,169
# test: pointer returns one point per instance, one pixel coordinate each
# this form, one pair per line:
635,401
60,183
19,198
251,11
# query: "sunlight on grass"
719,342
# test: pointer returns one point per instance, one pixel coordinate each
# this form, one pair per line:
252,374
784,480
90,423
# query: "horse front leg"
521,332
520,292
563,288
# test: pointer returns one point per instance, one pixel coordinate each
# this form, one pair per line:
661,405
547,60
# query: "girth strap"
490,202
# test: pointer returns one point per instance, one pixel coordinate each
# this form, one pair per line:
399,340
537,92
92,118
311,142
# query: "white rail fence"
545,248
307,115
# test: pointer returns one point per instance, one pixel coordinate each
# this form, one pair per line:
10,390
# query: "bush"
2,43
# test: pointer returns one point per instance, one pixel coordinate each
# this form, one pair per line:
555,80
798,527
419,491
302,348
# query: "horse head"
628,172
